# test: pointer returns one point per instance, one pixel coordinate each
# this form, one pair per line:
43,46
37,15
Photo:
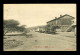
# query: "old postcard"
39,27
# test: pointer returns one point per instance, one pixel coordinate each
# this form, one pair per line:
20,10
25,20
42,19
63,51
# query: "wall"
64,22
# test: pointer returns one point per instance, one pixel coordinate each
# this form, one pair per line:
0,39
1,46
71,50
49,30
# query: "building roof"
60,17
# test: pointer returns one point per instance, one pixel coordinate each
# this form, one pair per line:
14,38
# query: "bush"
8,44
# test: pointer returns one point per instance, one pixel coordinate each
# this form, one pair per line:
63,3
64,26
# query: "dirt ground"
64,41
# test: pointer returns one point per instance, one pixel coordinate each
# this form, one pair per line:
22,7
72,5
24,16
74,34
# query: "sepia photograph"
39,27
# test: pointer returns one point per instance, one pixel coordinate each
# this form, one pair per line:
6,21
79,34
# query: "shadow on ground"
15,35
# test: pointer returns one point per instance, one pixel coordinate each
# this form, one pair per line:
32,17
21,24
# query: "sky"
37,14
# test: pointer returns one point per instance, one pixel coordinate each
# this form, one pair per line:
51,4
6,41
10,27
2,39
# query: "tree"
12,25
21,28
54,28
47,28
